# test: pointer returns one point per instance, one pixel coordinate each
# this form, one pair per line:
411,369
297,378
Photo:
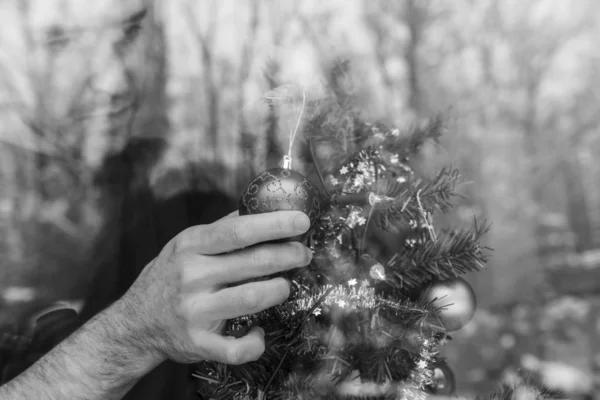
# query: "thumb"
237,351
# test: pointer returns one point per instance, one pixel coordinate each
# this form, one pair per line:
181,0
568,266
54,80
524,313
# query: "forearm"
101,360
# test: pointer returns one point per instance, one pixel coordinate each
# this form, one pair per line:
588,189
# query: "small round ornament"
443,381
375,268
281,189
457,299
377,272
355,387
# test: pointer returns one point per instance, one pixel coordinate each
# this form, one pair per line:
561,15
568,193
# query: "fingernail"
309,254
293,289
301,223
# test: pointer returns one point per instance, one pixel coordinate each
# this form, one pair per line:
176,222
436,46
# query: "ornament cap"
287,162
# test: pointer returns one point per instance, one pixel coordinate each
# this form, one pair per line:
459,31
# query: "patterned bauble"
281,189
443,381
457,299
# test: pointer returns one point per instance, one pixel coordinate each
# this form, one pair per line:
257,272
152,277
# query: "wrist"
103,359
133,344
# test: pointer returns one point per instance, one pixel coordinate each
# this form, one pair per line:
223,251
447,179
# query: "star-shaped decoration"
379,136
427,354
352,282
344,170
422,364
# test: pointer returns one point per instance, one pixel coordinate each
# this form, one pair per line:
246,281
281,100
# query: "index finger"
235,213
235,233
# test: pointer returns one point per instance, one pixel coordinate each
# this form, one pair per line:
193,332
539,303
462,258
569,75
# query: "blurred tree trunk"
581,168
244,140
280,16
577,204
11,160
29,167
152,119
594,202
415,17
533,60
211,85
273,150
373,11
531,143
205,40
38,90
474,165
246,62
383,19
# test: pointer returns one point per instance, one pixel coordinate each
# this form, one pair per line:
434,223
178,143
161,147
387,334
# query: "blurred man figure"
73,71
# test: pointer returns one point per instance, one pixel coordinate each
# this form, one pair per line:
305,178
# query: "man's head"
74,66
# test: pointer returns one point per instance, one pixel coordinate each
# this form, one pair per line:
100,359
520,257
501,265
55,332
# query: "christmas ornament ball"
443,381
281,189
457,298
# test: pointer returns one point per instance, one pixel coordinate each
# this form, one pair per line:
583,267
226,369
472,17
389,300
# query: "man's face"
73,63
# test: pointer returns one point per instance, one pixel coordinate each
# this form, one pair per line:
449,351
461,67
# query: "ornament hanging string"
287,159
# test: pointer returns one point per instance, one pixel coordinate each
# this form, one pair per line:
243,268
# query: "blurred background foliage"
100,107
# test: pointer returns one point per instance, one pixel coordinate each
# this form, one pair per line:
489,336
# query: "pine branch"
410,315
375,349
524,390
432,195
451,255
335,128
409,142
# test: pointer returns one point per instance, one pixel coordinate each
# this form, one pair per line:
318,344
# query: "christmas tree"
365,320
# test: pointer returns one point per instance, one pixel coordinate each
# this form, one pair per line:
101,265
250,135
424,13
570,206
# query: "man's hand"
175,309
178,305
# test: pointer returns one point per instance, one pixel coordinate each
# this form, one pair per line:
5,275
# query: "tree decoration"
361,322
442,380
456,299
281,188
377,272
